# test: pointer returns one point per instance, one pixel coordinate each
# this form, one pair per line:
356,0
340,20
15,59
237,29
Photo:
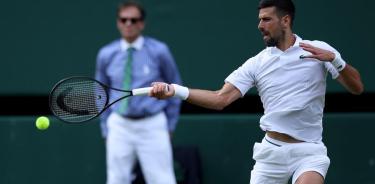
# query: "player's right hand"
317,53
161,90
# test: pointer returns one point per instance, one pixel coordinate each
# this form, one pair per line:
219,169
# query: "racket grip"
141,91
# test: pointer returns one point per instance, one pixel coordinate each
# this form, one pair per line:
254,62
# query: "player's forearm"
207,99
351,79
204,98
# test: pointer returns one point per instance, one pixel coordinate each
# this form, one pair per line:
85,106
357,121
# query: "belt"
137,117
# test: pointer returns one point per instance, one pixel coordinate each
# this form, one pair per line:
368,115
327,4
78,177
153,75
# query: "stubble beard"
274,41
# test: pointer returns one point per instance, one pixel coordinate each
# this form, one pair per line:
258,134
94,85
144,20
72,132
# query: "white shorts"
277,161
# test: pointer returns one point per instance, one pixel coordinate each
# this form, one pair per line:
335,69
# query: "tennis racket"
80,99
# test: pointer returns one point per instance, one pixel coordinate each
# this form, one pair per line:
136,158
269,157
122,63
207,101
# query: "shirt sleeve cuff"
241,87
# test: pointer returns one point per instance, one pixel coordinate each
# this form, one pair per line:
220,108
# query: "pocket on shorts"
268,153
256,151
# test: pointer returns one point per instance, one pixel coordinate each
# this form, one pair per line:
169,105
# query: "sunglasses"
124,20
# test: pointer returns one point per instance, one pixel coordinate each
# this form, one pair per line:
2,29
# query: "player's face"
270,26
129,23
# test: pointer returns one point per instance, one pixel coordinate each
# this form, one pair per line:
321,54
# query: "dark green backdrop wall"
45,40
71,154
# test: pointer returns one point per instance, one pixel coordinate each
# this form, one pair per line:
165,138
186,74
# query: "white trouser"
145,139
277,161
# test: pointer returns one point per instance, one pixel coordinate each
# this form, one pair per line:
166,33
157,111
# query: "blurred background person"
138,128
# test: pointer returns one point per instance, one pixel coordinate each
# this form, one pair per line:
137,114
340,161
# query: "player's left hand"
317,53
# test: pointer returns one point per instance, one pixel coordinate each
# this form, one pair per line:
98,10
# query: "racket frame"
106,87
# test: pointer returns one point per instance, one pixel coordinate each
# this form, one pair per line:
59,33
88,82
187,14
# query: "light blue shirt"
152,61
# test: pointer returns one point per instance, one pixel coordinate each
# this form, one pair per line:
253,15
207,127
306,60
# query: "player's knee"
310,177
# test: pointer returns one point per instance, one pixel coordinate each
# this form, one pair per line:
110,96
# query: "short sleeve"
243,78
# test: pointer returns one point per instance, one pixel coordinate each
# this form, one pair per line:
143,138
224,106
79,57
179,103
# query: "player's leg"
271,163
312,163
310,177
120,152
263,173
154,150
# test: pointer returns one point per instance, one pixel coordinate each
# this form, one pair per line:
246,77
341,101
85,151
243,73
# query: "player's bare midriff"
282,137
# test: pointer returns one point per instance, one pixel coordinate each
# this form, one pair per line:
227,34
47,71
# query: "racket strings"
78,100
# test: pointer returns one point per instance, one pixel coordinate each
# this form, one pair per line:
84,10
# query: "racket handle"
141,91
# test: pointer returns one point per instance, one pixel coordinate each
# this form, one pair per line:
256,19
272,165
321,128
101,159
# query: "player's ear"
286,21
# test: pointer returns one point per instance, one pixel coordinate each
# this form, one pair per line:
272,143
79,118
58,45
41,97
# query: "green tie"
127,78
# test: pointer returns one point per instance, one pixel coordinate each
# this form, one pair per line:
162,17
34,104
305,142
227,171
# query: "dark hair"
283,7
131,3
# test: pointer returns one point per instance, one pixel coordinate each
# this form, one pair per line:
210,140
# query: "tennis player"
290,75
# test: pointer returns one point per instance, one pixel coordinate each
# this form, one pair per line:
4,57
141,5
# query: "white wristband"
181,91
338,63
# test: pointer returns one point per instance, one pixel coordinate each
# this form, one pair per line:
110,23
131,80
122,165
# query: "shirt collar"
137,44
298,40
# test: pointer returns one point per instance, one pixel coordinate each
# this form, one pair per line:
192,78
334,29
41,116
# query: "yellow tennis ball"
42,123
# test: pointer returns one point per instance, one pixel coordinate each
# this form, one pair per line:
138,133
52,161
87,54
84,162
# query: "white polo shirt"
291,89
